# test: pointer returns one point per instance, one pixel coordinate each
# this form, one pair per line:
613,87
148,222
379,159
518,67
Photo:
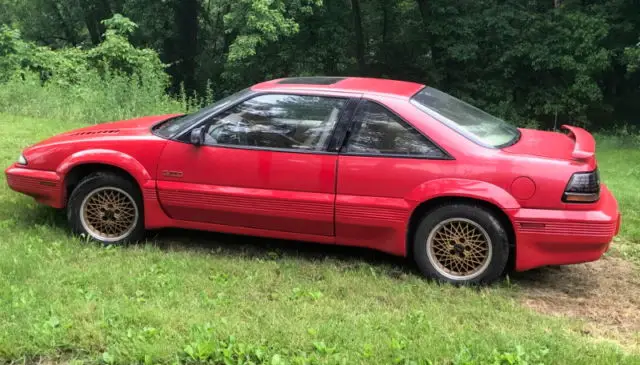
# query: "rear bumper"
44,186
561,237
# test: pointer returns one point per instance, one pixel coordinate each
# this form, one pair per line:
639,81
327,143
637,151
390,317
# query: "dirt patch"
605,293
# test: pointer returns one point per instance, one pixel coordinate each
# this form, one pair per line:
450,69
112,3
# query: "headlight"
22,160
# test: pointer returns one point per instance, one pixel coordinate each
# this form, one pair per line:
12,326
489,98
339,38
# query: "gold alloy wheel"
459,249
108,214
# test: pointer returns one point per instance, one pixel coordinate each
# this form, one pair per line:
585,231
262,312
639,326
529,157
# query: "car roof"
360,85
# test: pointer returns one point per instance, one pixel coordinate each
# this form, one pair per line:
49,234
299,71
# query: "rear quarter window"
377,131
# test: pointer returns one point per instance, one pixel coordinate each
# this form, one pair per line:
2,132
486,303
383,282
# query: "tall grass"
93,99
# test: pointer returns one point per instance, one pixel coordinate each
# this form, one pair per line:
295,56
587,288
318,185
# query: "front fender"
106,157
474,189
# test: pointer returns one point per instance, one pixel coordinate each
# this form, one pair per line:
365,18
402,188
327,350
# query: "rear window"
475,124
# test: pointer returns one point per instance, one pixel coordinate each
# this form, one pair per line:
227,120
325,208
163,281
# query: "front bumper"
561,237
44,186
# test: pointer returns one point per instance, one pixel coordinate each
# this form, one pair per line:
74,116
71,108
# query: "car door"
263,164
383,159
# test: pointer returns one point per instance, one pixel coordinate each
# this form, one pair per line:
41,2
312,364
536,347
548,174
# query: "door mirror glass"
197,136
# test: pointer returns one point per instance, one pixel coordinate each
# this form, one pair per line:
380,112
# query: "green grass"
621,172
185,296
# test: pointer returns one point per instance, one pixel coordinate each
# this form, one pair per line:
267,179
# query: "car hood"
126,128
132,137
577,145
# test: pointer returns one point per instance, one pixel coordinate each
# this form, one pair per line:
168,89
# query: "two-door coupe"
394,166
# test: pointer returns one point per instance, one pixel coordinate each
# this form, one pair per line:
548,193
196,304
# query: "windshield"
173,126
475,124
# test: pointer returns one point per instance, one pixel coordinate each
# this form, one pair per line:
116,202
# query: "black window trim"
447,156
341,130
184,136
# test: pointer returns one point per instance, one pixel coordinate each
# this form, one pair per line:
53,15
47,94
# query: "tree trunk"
94,14
423,7
438,73
357,26
387,21
186,12
92,27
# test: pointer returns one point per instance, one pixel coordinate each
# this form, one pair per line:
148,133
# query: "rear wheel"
107,208
461,244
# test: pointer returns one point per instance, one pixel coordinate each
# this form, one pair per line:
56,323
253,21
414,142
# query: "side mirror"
197,136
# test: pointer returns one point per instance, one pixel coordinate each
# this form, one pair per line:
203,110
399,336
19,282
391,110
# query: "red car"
393,166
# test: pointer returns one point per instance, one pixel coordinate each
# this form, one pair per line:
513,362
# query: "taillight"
584,187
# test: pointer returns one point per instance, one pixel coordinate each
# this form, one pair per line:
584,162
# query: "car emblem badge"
168,173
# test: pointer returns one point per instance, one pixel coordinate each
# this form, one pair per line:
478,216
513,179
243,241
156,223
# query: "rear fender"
464,188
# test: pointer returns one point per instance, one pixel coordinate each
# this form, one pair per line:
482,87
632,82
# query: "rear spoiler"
585,147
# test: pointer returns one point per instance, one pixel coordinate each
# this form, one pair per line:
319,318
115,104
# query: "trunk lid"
577,145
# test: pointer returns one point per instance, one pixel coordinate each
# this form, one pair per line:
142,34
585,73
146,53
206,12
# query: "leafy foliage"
113,80
116,54
258,22
632,55
71,65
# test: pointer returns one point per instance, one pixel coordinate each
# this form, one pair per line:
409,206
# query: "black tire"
111,182
489,270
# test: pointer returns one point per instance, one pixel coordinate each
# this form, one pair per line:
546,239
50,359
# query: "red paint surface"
338,199
290,192
523,188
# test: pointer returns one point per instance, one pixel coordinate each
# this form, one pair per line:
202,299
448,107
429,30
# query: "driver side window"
296,122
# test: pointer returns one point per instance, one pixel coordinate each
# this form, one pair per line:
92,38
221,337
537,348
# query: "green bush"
111,81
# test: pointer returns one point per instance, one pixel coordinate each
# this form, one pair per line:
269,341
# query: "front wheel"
107,208
461,244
